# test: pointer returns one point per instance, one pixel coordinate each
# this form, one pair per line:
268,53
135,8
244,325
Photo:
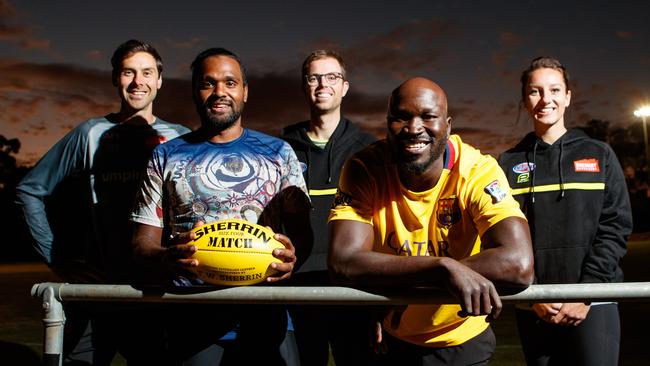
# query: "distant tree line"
629,145
16,242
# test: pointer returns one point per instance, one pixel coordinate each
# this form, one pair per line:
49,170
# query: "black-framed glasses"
327,79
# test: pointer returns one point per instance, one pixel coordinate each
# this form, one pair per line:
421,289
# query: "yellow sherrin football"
234,252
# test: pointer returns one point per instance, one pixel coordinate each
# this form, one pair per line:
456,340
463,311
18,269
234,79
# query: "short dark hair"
215,51
321,54
543,62
127,49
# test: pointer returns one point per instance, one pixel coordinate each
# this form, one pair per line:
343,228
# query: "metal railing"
54,294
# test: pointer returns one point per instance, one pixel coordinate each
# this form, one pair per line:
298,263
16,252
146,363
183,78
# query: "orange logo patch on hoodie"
586,165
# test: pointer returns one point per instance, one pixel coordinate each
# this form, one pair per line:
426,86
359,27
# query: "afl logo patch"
494,190
448,211
523,168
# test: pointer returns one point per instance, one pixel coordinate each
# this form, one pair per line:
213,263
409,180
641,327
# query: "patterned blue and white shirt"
255,178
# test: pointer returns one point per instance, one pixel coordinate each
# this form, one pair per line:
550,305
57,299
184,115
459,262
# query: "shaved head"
418,128
418,87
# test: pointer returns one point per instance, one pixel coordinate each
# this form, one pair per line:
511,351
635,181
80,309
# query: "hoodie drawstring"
561,173
559,163
308,157
329,161
534,171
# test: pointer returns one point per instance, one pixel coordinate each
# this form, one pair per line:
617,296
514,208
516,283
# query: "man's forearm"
506,256
33,213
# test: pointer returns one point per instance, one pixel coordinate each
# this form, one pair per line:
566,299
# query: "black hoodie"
574,195
321,170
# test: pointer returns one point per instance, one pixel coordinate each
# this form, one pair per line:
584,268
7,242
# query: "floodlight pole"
644,112
645,140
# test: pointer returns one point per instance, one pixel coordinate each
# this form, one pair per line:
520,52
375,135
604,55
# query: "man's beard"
410,163
217,122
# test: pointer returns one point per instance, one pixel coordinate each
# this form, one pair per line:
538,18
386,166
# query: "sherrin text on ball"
234,252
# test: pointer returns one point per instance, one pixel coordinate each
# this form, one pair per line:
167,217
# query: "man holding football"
221,171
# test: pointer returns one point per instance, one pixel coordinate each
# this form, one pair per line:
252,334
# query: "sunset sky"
55,69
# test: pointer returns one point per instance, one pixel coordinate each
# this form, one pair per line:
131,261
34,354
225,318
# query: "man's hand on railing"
476,294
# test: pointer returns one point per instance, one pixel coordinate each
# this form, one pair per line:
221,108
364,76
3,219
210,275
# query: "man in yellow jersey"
422,208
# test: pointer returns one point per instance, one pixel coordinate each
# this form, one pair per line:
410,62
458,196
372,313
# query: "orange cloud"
95,55
34,44
11,32
16,33
397,53
509,39
624,34
6,9
41,101
184,44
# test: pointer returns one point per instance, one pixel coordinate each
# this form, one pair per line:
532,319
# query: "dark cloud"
489,142
11,32
64,95
360,103
624,34
579,111
509,109
500,58
275,100
597,88
466,113
95,55
510,39
174,102
508,43
14,32
6,9
54,77
44,100
182,44
37,129
20,109
466,101
408,48
34,44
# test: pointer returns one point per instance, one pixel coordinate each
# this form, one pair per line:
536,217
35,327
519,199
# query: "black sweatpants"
477,351
594,342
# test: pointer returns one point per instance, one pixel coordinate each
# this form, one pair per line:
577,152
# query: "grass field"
21,330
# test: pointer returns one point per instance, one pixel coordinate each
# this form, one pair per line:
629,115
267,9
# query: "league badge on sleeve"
494,189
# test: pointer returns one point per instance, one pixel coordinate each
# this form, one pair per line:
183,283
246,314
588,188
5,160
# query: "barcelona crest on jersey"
448,211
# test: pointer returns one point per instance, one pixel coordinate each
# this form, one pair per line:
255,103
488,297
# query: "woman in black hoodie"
573,192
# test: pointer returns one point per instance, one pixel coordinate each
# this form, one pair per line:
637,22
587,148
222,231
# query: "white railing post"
53,321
